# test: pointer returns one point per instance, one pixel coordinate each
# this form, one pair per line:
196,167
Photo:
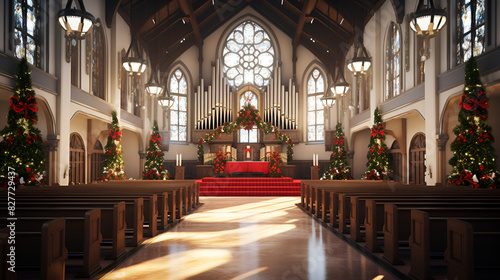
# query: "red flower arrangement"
275,165
219,165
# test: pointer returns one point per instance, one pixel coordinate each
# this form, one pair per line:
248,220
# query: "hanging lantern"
153,88
360,63
76,22
328,100
134,65
427,20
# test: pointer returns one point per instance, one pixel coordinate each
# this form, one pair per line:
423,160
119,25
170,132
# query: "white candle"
176,159
314,159
180,160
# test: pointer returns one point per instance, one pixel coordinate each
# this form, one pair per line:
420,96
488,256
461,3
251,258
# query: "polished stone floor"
248,238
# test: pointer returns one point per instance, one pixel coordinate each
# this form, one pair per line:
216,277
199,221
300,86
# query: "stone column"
442,139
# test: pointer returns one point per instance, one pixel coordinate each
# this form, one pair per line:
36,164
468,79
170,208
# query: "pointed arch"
315,81
393,61
76,159
98,61
178,87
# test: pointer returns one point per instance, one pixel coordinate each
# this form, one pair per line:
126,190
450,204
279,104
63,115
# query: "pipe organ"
217,103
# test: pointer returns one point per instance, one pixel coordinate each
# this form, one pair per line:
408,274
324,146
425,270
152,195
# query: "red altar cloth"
247,166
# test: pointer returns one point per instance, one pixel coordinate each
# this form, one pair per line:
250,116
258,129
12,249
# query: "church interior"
249,139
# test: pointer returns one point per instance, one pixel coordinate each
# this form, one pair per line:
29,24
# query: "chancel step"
262,186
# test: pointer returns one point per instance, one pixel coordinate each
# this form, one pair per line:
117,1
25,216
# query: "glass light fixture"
166,101
154,88
134,65
328,100
340,86
360,62
427,20
76,22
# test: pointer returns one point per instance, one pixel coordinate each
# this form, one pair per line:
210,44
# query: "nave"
248,238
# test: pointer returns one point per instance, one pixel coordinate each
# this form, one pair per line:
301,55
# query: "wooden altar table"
247,166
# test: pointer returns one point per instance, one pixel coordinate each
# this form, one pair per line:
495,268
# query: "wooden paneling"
76,159
417,159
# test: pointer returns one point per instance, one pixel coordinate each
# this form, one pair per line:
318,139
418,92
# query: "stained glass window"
470,29
248,55
178,112
27,30
98,58
315,112
393,62
249,136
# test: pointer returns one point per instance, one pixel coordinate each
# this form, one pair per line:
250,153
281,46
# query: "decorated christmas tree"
275,165
113,167
22,158
474,159
339,168
153,168
378,155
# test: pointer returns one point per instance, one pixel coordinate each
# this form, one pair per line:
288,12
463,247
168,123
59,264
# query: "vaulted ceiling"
169,27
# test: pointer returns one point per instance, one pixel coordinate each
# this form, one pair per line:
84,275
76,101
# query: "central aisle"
248,238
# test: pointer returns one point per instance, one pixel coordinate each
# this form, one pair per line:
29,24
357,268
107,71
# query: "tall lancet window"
98,61
27,30
315,112
471,21
178,112
249,136
248,55
393,62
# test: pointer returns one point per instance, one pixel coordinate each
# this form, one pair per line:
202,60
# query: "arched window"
315,112
393,62
178,112
248,55
471,21
27,30
249,136
98,59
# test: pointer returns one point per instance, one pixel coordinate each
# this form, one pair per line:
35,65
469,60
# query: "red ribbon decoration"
29,105
466,177
155,138
473,103
375,132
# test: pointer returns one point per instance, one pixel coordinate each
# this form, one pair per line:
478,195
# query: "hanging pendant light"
360,63
76,22
427,20
153,88
328,100
166,101
340,86
134,65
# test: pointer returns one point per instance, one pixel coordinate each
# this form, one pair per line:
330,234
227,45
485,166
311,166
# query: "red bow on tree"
472,103
116,134
339,141
376,132
29,105
466,177
155,138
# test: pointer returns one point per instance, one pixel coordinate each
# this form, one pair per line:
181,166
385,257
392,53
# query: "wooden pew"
429,235
361,204
113,219
43,247
83,231
472,248
397,222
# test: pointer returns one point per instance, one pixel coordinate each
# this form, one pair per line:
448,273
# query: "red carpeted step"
259,186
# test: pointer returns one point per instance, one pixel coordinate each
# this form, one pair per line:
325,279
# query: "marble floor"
248,238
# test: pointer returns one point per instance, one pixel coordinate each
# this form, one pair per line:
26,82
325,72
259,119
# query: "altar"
247,166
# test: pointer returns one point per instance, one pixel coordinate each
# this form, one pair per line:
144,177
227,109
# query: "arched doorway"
96,160
417,159
76,159
396,157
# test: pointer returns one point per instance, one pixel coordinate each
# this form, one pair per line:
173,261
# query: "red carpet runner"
261,186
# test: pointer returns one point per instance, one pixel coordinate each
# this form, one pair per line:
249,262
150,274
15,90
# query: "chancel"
257,139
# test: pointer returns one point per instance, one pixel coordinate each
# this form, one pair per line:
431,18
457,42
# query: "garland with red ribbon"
20,107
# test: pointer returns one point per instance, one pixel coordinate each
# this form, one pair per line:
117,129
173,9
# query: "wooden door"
417,160
396,156
96,160
76,159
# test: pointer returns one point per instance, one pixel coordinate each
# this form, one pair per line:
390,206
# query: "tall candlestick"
180,160
176,159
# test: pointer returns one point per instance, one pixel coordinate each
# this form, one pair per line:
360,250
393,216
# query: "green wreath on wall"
248,117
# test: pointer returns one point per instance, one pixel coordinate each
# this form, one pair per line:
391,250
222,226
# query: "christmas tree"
474,159
22,159
339,168
113,158
153,168
378,156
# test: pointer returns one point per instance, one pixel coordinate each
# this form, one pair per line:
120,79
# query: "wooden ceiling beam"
187,8
308,7
110,10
